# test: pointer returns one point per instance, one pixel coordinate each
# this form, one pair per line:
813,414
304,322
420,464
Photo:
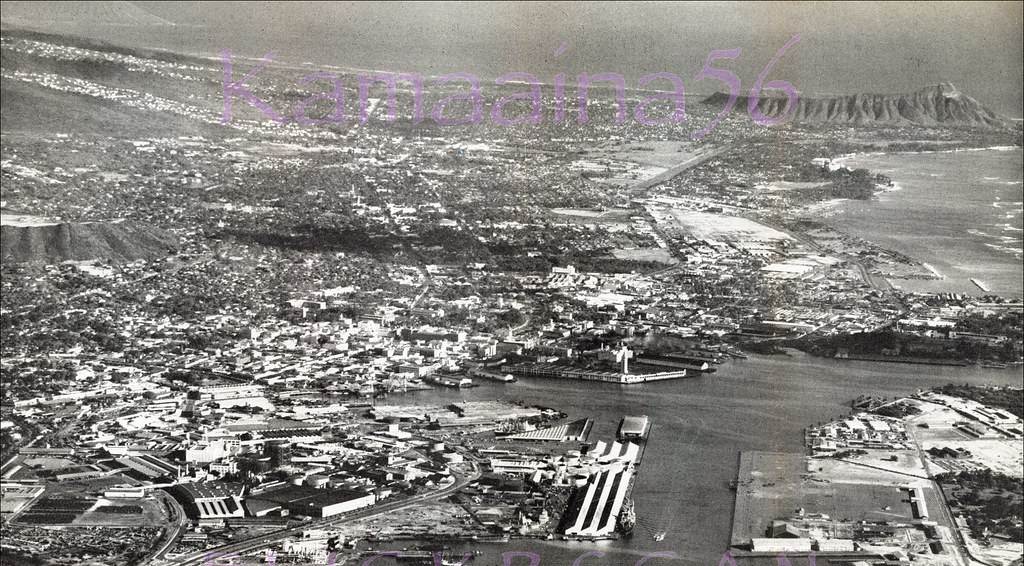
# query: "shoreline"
848,156
879,358
957,280
829,205
842,159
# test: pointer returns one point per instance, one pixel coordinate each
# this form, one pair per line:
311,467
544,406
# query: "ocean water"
960,212
699,426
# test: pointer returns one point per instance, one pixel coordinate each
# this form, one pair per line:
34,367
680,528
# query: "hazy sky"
844,47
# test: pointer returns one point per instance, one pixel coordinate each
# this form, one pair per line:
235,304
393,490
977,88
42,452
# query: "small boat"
659,536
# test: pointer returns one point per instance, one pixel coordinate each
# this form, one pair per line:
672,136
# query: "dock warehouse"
319,503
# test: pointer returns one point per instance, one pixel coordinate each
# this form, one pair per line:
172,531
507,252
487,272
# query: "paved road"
962,553
171,534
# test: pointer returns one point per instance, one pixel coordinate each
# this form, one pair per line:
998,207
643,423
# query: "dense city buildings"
277,341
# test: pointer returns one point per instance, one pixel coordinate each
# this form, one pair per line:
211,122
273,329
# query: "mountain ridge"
52,243
936,105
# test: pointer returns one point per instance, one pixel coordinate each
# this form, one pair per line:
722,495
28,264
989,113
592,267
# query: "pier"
981,285
595,510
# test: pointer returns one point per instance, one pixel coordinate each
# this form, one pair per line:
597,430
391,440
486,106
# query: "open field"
709,226
1002,455
646,254
55,510
790,186
873,469
590,216
663,154
123,513
776,485
435,519
49,463
643,165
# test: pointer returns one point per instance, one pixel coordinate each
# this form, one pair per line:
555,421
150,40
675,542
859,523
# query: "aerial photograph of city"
512,283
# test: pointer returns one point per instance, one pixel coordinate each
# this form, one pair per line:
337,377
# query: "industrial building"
634,428
780,544
151,467
214,500
312,502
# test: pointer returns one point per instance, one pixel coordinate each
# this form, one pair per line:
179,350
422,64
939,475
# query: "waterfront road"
264,541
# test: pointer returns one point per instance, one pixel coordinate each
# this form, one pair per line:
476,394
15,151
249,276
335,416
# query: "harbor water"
699,426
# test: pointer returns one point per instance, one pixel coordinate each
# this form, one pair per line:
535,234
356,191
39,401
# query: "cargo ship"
627,517
453,382
492,375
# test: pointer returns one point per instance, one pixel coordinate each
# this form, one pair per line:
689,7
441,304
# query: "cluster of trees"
1010,324
844,183
598,263
9,439
312,237
70,330
897,410
523,264
991,501
856,183
1006,398
889,342
607,264
843,454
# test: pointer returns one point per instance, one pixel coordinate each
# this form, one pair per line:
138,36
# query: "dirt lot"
647,254
1000,454
150,513
775,485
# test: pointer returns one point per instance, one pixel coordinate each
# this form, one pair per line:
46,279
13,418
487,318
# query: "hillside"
54,84
31,109
56,242
78,13
941,105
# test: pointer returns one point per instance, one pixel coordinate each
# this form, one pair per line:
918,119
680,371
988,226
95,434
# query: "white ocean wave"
1001,204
